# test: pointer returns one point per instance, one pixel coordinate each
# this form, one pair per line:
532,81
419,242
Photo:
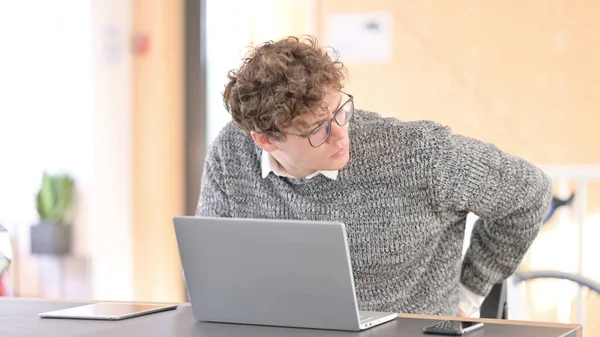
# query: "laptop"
284,273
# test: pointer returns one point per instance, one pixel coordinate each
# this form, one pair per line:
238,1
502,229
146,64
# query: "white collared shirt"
469,301
268,164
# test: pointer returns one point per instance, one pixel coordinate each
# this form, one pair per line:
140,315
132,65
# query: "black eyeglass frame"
327,123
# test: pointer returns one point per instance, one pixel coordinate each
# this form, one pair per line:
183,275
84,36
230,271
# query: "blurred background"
112,103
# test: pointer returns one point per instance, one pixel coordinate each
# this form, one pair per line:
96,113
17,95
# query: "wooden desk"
19,317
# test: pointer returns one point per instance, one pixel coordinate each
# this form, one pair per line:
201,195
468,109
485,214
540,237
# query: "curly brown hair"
279,82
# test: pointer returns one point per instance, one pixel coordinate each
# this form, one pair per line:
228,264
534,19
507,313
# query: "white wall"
45,112
65,107
45,100
224,51
110,220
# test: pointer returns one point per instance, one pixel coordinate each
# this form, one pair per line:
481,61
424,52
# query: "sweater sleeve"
509,195
213,200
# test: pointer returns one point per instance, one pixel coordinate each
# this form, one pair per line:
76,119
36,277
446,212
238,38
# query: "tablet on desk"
108,311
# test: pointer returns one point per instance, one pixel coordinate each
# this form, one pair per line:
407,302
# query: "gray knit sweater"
404,197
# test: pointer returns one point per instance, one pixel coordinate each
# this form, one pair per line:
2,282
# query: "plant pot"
50,239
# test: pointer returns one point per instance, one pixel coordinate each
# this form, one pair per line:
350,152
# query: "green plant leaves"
55,199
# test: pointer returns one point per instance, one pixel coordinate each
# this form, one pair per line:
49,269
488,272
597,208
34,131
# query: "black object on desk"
452,328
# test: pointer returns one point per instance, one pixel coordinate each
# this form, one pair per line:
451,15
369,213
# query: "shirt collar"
268,164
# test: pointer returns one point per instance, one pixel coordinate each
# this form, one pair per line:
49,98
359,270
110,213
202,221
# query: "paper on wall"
361,37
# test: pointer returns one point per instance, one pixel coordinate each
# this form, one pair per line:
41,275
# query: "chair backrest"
495,304
5,260
5,250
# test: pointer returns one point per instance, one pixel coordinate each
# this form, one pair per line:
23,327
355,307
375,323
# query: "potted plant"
55,207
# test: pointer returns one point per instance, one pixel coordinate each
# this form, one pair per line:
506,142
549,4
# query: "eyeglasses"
319,135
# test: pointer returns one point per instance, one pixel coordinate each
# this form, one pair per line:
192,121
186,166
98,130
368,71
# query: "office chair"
5,260
495,304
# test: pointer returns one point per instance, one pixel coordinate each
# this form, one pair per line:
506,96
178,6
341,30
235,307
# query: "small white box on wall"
361,37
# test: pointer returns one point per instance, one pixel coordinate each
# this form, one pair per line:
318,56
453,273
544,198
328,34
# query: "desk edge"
578,328
575,327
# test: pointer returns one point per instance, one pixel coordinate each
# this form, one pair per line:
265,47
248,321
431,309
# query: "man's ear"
263,141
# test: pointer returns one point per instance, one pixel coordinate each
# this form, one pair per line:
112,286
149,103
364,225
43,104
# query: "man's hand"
469,302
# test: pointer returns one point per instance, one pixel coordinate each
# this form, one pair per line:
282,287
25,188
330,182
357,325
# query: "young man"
298,149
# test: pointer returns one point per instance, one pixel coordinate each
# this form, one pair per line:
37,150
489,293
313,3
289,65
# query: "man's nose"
337,133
